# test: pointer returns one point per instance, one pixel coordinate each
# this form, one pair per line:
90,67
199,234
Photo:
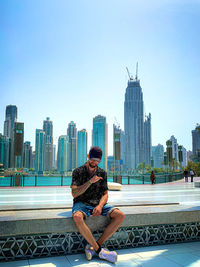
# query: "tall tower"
174,147
39,150
134,123
100,138
10,119
147,140
48,157
5,145
62,154
81,147
17,143
196,140
72,146
116,147
27,155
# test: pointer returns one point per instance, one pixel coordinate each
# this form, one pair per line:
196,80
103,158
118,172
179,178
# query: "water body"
66,181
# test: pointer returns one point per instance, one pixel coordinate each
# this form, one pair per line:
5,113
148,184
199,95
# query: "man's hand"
97,211
95,179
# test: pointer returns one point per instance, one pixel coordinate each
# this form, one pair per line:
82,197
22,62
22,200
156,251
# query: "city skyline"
68,62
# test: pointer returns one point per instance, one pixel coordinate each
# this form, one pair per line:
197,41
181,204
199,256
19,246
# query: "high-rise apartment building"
158,156
188,156
39,150
17,145
72,146
62,154
137,132
48,154
27,155
82,147
54,157
10,119
100,138
117,147
123,149
184,156
174,148
196,140
147,140
5,145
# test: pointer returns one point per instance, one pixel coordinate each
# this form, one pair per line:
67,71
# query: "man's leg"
84,230
117,217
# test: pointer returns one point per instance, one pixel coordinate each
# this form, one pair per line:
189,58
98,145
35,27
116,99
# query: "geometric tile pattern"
36,246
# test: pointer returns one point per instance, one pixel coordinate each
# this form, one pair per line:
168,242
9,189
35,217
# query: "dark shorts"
87,210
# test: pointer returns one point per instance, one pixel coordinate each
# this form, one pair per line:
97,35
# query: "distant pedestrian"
186,175
191,175
153,178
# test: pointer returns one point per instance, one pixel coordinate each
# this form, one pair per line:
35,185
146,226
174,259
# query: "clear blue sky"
67,60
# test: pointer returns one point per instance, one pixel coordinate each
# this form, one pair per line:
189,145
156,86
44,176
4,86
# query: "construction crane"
116,122
136,75
130,77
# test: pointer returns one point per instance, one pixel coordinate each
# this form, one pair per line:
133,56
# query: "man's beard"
92,166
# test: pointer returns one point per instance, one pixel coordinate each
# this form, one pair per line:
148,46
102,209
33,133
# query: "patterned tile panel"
36,246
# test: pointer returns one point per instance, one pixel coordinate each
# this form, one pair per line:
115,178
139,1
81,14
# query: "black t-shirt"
94,193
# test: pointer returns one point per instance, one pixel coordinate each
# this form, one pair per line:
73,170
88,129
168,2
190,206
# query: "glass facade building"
62,154
10,119
5,151
196,140
158,156
48,157
27,155
137,131
82,147
134,124
72,146
39,150
100,138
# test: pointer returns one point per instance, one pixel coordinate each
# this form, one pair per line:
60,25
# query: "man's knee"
118,215
78,217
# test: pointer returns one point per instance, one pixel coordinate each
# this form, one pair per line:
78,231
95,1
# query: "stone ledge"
197,184
60,221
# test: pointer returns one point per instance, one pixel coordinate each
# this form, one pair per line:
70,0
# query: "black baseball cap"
95,153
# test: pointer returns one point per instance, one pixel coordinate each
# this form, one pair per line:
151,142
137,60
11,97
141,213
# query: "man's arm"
79,190
98,209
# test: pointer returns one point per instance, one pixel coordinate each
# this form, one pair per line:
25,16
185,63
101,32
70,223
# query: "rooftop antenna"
130,77
136,76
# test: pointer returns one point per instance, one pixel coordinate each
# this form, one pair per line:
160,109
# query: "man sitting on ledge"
90,193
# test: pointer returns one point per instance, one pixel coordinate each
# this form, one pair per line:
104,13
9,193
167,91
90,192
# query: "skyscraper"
10,119
134,124
100,138
174,148
123,151
17,145
158,156
27,155
62,154
147,140
54,157
81,147
39,150
48,154
116,147
196,140
5,145
72,146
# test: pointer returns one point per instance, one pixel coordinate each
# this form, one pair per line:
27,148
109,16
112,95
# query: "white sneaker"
107,255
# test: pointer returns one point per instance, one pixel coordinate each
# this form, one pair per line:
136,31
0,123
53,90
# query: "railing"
20,180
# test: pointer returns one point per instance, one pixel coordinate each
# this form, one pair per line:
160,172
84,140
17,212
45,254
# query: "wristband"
89,182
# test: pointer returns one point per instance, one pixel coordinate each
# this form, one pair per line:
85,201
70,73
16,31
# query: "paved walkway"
60,197
172,255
